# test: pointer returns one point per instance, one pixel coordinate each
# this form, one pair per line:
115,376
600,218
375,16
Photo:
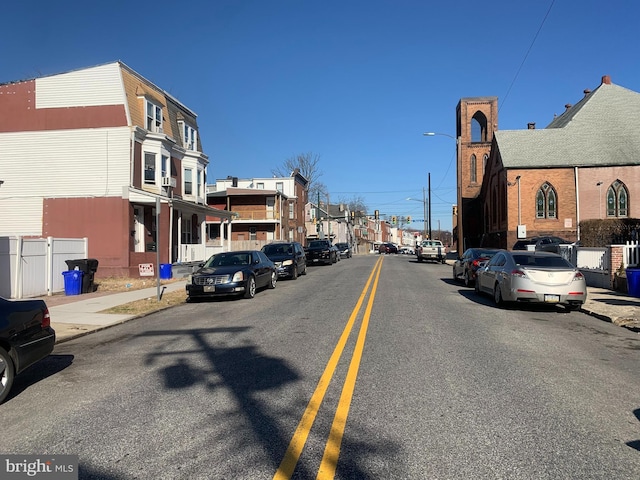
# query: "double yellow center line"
332,449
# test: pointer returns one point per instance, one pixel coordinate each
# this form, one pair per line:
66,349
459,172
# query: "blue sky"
355,82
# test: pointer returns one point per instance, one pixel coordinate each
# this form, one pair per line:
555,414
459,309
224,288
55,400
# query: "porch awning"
140,196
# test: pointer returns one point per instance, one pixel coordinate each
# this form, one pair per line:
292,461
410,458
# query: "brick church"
522,183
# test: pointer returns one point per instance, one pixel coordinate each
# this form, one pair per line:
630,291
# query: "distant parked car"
406,250
232,273
388,248
541,244
289,258
26,337
321,251
465,267
344,249
532,277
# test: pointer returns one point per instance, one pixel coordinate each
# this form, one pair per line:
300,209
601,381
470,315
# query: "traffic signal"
394,219
376,214
455,209
408,218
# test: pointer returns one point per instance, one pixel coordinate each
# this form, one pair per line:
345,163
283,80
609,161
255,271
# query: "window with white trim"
189,136
292,212
260,186
149,168
186,230
188,181
279,186
164,166
253,235
199,184
154,117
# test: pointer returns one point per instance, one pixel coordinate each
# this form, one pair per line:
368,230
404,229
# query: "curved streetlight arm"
433,134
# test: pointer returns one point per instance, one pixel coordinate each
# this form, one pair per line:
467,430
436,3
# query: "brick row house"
264,209
584,165
91,154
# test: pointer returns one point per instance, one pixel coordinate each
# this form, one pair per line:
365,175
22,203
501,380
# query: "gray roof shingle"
602,129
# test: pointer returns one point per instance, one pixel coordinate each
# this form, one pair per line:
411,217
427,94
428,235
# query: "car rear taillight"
578,276
46,318
518,273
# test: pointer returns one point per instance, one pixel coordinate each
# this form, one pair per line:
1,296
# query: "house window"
546,202
189,136
154,117
292,212
260,186
164,166
186,230
199,184
479,127
279,186
252,233
474,169
188,181
149,168
617,200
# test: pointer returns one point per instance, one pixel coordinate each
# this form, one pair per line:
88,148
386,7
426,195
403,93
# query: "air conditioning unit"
168,182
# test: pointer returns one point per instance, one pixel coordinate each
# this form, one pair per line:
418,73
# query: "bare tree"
356,204
308,165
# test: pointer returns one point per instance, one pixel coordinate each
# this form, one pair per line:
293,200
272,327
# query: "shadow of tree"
245,372
635,444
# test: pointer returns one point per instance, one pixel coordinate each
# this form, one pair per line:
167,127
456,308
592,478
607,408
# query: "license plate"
209,288
552,298
315,259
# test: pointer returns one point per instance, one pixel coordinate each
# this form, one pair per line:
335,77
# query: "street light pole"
460,239
424,217
430,236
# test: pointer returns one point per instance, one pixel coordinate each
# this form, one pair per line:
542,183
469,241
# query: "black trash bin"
88,266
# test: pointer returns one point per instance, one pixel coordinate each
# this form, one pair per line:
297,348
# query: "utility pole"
430,237
424,217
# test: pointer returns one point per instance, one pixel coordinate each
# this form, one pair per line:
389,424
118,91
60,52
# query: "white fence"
631,254
31,267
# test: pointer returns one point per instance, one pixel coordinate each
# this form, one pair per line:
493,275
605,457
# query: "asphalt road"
426,381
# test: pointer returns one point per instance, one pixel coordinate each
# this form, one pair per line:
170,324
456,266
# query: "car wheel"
467,280
497,295
7,373
250,289
455,277
274,279
420,259
304,270
476,287
294,273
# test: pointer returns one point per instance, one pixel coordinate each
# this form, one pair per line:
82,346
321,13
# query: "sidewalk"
78,315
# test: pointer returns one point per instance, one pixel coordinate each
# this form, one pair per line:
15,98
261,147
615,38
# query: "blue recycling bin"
73,282
165,271
633,281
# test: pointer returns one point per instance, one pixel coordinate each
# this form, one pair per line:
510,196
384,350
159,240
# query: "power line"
525,57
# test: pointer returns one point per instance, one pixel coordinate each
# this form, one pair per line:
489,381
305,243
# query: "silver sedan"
533,277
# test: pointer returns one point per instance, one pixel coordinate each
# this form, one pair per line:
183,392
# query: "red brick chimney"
606,79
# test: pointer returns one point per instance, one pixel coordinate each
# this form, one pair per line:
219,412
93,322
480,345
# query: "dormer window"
154,117
189,136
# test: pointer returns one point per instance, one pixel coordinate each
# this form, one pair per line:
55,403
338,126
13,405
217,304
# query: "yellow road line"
294,450
332,449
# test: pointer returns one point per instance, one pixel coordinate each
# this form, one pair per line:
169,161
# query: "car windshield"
228,259
539,261
341,245
317,244
277,249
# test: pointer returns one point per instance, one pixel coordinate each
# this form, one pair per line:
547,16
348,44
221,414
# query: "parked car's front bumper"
215,290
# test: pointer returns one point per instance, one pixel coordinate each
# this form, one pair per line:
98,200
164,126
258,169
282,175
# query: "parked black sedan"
26,336
232,273
344,249
289,258
466,266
